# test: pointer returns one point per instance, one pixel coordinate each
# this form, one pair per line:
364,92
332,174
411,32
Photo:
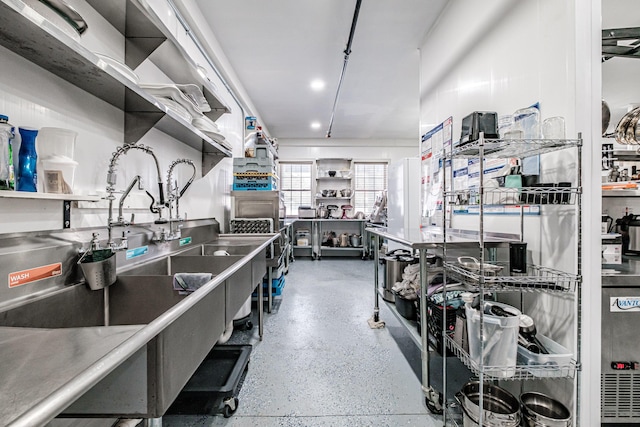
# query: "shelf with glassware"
52,48
334,181
547,359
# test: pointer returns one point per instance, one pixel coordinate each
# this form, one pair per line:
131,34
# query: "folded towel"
186,283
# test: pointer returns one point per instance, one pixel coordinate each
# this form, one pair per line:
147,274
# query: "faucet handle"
95,243
124,243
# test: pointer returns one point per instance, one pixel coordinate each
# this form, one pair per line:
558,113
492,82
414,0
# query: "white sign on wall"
620,304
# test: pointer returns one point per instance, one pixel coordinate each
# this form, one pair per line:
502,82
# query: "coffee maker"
629,227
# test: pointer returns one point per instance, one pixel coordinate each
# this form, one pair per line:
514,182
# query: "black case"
479,121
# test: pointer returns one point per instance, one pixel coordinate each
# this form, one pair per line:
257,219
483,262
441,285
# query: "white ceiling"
278,47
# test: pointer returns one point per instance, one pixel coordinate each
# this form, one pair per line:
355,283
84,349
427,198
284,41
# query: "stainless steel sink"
148,382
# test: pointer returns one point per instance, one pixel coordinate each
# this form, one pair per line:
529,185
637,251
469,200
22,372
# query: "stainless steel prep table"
422,240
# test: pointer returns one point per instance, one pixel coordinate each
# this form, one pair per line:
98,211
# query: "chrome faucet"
111,182
174,193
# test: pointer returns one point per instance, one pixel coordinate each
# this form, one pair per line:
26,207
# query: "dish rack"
251,225
488,275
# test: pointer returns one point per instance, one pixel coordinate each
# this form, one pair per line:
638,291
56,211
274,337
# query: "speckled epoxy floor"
319,363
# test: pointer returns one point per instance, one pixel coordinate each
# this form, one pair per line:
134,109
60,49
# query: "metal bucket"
539,410
394,265
500,408
101,273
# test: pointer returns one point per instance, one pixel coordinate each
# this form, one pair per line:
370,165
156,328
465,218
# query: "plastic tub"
56,141
546,365
57,174
500,338
406,307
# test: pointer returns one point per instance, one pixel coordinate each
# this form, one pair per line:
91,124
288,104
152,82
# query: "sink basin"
232,249
241,246
148,382
166,335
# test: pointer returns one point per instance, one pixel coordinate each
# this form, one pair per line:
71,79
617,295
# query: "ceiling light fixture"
347,52
315,125
317,85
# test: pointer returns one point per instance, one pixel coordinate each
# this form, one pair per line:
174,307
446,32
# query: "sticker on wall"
31,275
621,304
185,241
250,123
136,252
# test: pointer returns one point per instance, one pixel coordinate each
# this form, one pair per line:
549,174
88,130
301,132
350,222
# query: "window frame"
311,188
376,192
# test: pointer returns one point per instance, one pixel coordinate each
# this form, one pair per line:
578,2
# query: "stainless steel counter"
625,274
431,237
36,362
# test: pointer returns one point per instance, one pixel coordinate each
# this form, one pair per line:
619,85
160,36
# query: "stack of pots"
502,409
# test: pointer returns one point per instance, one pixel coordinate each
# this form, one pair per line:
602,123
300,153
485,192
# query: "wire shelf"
505,148
538,279
516,196
513,373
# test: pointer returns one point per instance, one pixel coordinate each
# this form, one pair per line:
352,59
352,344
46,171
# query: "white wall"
34,97
504,55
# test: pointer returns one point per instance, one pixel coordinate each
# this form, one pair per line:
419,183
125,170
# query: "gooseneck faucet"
174,193
111,182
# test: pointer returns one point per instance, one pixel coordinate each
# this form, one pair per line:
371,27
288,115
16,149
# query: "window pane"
370,180
295,185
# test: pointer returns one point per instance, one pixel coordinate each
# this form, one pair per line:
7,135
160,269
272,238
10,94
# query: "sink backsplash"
36,264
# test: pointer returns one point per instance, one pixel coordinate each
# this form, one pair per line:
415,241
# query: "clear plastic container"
500,338
57,174
527,120
553,128
7,177
57,142
553,364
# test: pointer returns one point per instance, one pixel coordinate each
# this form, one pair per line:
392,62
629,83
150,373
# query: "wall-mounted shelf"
52,49
322,178
333,198
146,37
47,196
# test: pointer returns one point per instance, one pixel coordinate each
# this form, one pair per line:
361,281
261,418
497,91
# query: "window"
295,184
370,180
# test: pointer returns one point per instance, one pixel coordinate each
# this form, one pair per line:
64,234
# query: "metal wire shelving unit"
538,278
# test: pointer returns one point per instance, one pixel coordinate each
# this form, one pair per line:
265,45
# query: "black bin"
214,387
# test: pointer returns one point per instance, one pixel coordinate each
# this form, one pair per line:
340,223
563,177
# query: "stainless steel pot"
356,240
394,264
499,407
540,410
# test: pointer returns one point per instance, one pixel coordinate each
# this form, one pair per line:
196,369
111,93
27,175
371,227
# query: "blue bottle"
27,159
